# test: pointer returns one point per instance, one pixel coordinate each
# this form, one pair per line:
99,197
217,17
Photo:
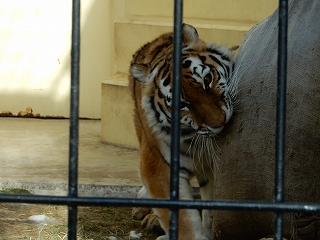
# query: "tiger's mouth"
209,131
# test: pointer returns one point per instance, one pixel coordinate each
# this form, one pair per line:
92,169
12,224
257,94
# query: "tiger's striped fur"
206,106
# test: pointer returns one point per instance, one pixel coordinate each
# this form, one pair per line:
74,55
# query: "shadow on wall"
35,56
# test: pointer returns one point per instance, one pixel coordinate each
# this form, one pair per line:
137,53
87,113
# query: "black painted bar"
175,134
281,115
163,203
74,120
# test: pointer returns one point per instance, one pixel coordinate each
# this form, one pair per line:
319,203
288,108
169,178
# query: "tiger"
206,105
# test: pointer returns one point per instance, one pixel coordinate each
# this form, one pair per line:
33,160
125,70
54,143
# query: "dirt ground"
94,223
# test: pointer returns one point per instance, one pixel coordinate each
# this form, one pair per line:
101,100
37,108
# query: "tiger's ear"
233,48
190,34
140,72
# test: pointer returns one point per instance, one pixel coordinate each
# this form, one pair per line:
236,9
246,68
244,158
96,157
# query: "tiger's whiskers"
202,151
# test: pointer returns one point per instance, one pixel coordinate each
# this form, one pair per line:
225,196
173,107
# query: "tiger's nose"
220,123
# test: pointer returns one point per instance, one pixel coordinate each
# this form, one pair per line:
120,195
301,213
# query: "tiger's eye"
207,79
184,105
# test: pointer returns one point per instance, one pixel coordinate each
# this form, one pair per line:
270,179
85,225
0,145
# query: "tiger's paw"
152,224
140,213
164,237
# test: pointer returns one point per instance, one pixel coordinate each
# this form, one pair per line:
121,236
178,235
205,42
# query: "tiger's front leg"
140,213
155,174
204,172
206,190
150,222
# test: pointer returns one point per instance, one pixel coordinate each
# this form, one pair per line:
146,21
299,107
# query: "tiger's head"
206,91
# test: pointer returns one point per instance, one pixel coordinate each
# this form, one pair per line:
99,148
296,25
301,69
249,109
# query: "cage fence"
279,207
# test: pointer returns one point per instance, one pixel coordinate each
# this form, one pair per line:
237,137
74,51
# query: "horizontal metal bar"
163,203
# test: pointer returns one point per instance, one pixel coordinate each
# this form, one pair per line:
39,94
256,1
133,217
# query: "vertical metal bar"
281,115
175,134
74,119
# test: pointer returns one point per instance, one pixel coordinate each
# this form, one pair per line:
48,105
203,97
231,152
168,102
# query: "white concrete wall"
35,41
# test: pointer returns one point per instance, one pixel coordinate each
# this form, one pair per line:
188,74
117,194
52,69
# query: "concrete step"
117,113
117,118
231,10
132,32
139,27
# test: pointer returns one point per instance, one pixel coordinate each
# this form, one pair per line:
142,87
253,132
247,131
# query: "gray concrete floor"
34,155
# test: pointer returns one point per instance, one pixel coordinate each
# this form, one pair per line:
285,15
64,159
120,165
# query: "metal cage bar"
175,134
281,116
74,119
73,201
164,203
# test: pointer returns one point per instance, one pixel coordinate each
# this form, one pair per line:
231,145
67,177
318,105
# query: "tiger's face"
206,102
206,105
